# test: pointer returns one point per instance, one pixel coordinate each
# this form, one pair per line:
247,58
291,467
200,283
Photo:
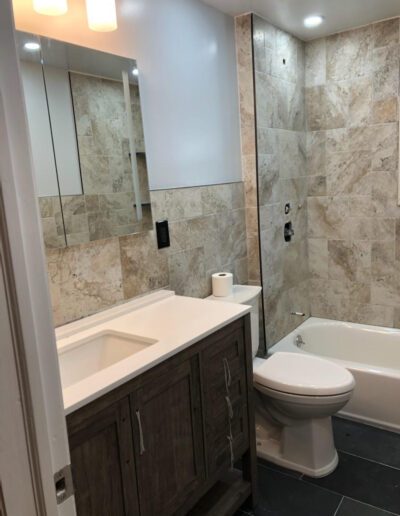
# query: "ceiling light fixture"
32,46
50,7
102,15
313,21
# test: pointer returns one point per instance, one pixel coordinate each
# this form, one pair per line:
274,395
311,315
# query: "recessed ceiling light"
313,21
135,71
32,46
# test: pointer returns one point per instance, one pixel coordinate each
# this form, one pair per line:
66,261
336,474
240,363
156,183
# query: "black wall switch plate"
162,231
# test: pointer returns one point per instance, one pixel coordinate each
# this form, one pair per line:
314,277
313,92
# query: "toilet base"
306,447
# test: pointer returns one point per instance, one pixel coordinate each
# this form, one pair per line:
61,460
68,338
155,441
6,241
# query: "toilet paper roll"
222,283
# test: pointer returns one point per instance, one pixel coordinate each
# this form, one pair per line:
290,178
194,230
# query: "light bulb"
50,7
101,14
135,71
313,21
32,46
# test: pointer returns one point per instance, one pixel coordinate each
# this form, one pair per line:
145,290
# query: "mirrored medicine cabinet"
85,124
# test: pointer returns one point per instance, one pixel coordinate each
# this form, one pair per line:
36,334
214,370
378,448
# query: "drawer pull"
230,409
230,440
228,376
142,449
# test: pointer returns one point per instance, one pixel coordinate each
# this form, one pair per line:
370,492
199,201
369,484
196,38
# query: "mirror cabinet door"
85,120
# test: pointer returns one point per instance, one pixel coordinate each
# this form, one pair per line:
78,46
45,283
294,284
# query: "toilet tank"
246,295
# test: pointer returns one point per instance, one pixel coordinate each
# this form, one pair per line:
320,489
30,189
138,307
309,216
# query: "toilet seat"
301,374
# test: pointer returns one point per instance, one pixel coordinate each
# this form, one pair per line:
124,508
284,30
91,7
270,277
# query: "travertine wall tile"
315,59
386,33
187,273
86,278
144,268
353,218
259,36
207,232
282,175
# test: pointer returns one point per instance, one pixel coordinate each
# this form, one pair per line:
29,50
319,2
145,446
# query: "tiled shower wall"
352,95
244,55
335,159
282,176
208,234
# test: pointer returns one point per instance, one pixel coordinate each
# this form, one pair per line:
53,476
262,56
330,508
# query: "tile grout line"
369,460
349,497
302,478
280,472
326,488
338,507
372,506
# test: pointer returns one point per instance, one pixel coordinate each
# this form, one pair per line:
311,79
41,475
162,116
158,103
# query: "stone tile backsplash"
208,233
352,98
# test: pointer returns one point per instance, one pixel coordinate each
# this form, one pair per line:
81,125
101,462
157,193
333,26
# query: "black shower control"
288,232
287,208
162,234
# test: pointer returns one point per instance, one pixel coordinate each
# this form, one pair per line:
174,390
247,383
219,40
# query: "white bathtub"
371,353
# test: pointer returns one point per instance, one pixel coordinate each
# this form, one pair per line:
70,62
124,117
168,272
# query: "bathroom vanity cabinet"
165,442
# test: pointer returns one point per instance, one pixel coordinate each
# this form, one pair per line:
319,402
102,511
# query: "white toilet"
296,396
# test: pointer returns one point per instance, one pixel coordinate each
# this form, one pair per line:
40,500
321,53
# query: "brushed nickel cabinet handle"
227,372
230,441
229,404
142,449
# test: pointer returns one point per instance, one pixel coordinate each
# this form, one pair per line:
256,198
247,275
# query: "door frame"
26,273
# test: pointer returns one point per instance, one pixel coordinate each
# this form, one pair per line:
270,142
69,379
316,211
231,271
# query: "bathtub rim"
287,344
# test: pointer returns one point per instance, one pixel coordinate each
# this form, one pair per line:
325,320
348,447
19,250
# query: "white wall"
186,56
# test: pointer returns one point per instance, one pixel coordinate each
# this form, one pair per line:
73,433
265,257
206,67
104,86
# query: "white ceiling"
289,14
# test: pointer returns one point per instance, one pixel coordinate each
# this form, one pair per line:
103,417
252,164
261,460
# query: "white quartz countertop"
176,322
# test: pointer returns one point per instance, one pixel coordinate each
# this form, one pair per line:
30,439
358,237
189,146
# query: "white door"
33,438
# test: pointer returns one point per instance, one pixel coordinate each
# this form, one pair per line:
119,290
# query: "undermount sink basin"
88,356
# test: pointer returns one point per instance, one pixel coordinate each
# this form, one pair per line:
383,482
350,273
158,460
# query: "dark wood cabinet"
164,443
225,398
166,414
102,458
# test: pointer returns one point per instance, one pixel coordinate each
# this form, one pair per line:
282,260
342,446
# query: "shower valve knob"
288,232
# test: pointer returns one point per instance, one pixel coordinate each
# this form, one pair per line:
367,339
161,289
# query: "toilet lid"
296,373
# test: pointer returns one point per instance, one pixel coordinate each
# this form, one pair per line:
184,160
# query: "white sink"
88,356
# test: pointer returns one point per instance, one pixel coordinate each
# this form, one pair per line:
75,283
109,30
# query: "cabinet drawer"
225,398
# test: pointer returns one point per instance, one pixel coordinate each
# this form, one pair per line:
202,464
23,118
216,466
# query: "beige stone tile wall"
52,221
352,97
208,234
279,61
244,56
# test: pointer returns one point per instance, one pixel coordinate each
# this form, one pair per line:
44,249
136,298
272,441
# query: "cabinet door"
225,398
103,461
166,411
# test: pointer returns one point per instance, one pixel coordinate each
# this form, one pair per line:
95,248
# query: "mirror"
85,122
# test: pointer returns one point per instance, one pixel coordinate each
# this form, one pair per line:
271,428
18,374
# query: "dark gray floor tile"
282,495
365,481
352,508
367,442
280,469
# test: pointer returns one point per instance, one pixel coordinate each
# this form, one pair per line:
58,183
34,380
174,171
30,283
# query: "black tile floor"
365,483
